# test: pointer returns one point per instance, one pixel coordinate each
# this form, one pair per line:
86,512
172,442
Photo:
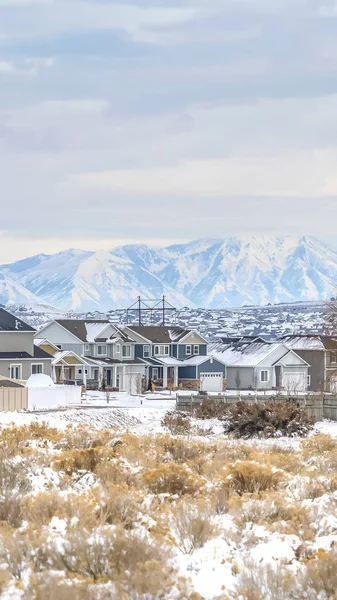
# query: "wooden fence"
13,398
317,406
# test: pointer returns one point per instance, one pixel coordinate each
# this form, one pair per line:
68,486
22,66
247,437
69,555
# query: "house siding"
246,376
77,348
189,372
26,366
17,342
315,359
208,367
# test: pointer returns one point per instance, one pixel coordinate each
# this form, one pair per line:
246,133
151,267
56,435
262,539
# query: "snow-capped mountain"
203,273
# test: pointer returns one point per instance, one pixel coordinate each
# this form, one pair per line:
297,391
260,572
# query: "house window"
155,374
146,351
118,348
196,350
101,350
87,347
126,351
308,380
15,371
333,357
188,350
58,346
264,376
162,350
37,369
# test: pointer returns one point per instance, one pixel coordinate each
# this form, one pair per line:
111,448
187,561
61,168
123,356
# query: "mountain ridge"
209,273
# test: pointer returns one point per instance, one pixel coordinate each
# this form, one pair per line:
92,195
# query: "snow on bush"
99,515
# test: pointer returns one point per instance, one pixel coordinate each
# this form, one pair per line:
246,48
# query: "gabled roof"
244,355
160,335
121,334
43,341
62,354
9,322
310,342
86,330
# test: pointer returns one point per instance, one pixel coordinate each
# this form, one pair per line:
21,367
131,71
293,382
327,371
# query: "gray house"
257,364
320,351
19,357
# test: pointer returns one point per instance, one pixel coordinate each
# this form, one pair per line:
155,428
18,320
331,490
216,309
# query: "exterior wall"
315,359
208,367
57,334
77,348
265,385
11,341
26,367
182,350
174,350
89,352
189,372
246,375
193,338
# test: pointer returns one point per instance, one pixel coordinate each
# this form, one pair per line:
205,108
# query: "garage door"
294,382
211,382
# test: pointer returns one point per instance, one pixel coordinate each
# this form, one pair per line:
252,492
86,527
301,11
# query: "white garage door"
211,382
294,382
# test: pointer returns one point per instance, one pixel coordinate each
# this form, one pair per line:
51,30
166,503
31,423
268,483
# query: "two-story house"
107,354
320,351
19,357
174,355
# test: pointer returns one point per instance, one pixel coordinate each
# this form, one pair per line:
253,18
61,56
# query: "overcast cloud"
155,122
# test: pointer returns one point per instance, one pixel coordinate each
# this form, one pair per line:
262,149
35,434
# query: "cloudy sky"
160,121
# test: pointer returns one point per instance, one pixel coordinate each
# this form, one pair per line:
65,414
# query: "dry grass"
250,477
173,479
126,505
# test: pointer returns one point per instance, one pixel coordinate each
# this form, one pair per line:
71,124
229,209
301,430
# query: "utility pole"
163,311
139,312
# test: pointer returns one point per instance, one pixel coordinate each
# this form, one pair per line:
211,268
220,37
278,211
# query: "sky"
153,121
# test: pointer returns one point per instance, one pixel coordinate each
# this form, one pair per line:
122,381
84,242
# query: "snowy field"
103,503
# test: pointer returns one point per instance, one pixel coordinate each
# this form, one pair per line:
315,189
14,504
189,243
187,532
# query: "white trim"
36,364
30,359
18,331
198,349
190,352
157,377
164,346
15,365
86,347
149,349
308,380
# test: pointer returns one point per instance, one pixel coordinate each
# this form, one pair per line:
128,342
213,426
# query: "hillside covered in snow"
213,274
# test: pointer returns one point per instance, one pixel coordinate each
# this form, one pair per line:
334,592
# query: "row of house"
129,357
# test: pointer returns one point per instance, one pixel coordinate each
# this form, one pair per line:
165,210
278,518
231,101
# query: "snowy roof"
311,342
244,355
83,328
304,343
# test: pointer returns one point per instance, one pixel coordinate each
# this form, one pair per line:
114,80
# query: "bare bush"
267,419
320,576
178,423
268,582
192,525
319,444
211,409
